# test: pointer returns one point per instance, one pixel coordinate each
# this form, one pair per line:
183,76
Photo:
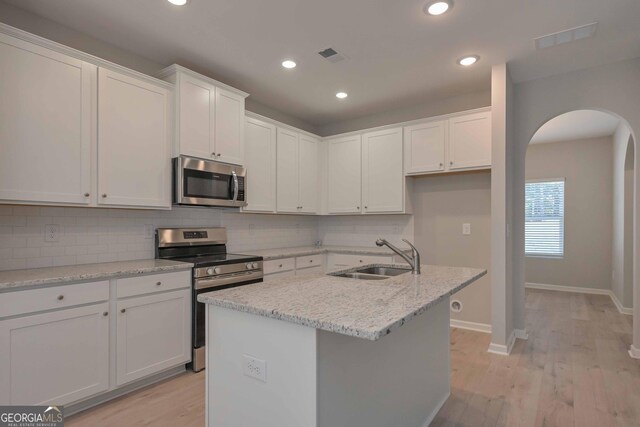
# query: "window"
544,218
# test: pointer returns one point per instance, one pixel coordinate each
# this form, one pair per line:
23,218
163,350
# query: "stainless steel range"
214,269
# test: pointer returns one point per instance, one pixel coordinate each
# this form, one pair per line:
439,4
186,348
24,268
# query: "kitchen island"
328,351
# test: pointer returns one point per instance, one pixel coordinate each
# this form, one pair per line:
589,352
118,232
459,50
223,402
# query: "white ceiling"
398,56
575,125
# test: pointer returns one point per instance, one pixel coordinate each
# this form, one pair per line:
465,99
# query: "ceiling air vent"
566,36
331,55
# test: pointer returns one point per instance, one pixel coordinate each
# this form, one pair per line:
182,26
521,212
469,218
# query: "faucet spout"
413,261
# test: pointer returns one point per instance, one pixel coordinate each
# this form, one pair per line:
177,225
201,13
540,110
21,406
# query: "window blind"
544,218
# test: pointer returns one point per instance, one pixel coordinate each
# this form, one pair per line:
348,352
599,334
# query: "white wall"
89,235
587,167
622,250
614,88
442,203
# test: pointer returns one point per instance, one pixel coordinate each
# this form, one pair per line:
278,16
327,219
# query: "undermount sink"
372,273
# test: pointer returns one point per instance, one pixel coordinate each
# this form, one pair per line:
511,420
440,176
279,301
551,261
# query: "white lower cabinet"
55,358
153,334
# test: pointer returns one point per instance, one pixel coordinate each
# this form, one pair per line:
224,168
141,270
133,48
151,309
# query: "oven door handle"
235,185
228,279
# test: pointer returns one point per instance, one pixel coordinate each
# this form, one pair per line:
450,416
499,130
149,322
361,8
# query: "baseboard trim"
634,352
471,326
502,349
112,394
434,413
575,289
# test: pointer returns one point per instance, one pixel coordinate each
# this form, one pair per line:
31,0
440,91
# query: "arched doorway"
568,244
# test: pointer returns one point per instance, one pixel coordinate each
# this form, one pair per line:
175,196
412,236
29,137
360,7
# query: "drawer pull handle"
60,297
159,283
106,313
123,310
86,194
310,260
280,266
104,196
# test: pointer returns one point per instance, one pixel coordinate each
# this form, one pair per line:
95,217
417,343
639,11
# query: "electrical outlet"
254,368
51,232
466,229
148,231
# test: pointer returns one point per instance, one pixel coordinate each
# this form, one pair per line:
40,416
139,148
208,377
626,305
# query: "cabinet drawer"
279,265
309,261
23,302
339,261
141,285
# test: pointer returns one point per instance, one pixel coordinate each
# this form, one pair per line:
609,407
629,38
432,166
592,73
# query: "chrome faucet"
414,260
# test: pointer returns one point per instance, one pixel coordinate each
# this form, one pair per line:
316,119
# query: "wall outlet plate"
254,367
466,229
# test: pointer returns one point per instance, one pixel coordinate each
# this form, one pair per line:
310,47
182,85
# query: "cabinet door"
260,162
196,116
55,358
424,147
153,334
45,124
344,186
134,165
382,174
287,171
470,141
308,173
229,130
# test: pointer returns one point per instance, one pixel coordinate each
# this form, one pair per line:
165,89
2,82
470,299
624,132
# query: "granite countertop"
366,309
19,279
278,253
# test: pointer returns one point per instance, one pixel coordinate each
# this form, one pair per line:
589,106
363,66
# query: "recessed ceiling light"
468,60
341,95
289,63
178,2
438,7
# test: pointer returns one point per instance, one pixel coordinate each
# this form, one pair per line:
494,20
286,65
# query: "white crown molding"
175,68
257,116
471,326
82,56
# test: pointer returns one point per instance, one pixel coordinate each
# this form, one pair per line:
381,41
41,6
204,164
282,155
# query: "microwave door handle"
235,185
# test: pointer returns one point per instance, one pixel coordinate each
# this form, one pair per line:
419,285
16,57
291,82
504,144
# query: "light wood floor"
573,371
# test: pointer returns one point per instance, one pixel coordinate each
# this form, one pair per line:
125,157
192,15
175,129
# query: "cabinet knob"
451,163
310,260
158,283
366,207
280,266
441,165
86,194
106,313
218,154
358,207
213,154
60,297
123,310
104,196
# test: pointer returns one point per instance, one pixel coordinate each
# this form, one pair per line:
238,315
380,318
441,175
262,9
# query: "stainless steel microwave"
206,183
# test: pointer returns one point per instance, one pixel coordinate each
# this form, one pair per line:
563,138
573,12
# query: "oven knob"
217,270
249,266
254,265
209,271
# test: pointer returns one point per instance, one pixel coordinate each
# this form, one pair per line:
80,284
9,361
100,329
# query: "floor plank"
574,370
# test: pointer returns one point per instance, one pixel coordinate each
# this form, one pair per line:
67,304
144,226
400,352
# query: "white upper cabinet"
287,171
209,117
382,172
195,116
260,161
308,177
470,141
424,146
134,167
46,125
344,175
229,127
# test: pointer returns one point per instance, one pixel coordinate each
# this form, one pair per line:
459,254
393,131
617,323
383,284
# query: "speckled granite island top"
366,309
278,253
23,279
